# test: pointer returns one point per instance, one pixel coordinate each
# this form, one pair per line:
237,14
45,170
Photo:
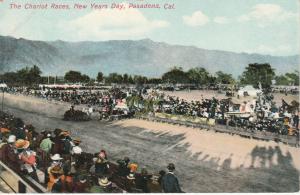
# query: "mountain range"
144,57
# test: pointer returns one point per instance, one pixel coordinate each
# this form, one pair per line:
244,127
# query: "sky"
252,26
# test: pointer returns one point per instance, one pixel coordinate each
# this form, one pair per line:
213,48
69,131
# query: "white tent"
3,85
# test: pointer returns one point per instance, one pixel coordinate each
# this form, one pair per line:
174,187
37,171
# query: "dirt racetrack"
205,161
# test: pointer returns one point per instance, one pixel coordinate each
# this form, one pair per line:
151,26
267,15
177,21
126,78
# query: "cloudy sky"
256,26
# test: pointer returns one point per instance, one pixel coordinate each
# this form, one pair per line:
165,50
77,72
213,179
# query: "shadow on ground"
268,168
206,170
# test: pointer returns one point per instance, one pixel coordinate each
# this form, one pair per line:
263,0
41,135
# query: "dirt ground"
205,161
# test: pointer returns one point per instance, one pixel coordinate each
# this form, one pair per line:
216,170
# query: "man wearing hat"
76,149
9,156
170,182
103,185
56,176
56,161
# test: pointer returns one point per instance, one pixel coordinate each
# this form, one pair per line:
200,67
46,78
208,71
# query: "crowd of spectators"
263,113
260,114
57,161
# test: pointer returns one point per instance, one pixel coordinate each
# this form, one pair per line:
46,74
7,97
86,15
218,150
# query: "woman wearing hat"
56,161
101,164
28,157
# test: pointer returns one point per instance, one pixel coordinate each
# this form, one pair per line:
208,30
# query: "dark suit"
170,183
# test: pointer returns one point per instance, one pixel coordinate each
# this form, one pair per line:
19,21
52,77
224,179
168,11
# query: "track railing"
267,136
19,183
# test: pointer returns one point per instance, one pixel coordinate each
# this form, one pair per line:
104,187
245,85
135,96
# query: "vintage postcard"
149,96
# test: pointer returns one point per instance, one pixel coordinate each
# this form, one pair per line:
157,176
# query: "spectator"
28,157
142,181
82,185
170,182
9,157
46,144
56,180
103,185
123,169
101,164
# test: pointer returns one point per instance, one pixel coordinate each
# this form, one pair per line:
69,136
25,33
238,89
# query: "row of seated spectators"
264,114
57,161
73,96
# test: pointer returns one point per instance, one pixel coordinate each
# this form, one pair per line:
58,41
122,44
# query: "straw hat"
104,182
22,144
56,157
56,170
65,133
131,176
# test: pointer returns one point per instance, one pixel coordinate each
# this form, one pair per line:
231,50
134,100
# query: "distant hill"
144,57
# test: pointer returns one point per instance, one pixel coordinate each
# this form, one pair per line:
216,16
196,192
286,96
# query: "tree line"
253,74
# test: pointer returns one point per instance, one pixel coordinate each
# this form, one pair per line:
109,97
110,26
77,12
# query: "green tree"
282,80
10,78
154,81
288,79
130,80
224,78
34,75
198,75
175,75
114,78
294,77
100,77
85,78
125,78
138,79
256,73
29,76
73,76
